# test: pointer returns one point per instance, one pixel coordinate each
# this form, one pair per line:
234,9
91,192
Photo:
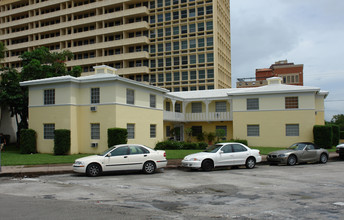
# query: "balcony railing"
188,117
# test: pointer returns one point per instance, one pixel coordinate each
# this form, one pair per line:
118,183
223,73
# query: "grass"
11,156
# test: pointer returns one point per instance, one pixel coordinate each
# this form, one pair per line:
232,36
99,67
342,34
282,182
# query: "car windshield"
213,148
107,151
298,146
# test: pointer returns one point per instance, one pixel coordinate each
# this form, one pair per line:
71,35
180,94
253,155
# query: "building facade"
274,115
292,74
180,45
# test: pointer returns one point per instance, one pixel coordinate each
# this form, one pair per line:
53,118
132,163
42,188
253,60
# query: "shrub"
117,136
188,146
322,136
27,141
202,145
180,145
336,135
61,141
168,145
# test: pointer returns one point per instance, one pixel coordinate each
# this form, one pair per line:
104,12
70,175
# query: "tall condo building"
180,45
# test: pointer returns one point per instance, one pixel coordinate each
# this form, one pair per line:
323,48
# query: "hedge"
336,135
61,141
117,136
323,136
27,141
180,145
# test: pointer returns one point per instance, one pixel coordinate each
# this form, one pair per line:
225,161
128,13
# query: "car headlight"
281,155
79,163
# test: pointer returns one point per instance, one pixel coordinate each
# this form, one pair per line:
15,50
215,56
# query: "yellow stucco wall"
272,126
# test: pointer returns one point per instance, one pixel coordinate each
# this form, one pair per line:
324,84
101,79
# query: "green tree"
37,64
338,119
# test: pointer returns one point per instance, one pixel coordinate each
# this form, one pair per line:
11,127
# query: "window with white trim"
196,107
253,130
95,95
49,131
292,102
130,96
220,107
152,101
292,130
49,96
252,104
152,131
131,131
95,131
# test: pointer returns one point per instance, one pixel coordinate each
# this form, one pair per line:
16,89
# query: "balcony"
193,117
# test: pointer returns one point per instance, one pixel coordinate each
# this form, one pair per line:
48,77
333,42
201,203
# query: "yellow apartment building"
273,115
180,45
89,105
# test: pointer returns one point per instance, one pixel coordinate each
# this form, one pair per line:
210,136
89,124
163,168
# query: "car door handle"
125,156
145,155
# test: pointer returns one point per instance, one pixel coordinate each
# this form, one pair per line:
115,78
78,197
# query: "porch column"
207,102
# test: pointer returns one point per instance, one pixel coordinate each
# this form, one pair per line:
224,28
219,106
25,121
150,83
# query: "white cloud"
308,32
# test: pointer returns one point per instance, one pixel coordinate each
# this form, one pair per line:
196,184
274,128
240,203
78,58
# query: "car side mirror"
221,152
108,155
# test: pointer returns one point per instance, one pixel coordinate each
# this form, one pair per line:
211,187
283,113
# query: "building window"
196,130
95,131
178,107
220,106
291,102
130,96
252,104
222,128
49,130
196,107
152,131
49,97
168,106
131,131
292,130
152,101
95,95
252,130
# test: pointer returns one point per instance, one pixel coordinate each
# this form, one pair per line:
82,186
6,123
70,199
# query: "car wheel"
291,160
93,170
323,158
250,163
207,165
149,167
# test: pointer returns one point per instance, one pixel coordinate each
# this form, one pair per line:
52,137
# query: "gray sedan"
302,152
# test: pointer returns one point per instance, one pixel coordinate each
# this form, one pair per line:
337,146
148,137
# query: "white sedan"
223,154
122,157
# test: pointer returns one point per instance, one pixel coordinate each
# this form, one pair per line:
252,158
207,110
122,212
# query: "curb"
52,169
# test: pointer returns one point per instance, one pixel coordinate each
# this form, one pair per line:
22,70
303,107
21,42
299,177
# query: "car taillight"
164,154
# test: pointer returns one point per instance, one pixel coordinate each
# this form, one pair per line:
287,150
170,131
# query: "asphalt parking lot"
308,191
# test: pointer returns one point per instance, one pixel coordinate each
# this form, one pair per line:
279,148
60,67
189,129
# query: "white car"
122,157
223,154
340,150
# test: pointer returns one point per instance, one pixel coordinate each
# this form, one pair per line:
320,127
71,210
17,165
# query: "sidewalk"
49,169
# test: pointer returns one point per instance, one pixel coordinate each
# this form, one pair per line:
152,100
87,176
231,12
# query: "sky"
308,32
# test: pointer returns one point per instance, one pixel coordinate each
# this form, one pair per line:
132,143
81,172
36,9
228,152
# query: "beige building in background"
181,45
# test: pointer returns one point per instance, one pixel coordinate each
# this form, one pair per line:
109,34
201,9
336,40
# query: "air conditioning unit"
94,144
93,108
